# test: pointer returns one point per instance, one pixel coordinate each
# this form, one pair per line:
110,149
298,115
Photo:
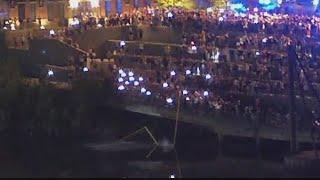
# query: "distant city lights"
208,76
165,85
127,83
131,78
188,72
130,73
148,93
140,79
172,73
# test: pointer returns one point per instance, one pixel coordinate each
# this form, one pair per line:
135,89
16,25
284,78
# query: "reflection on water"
196,155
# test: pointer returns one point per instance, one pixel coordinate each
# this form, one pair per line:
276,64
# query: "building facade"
46,11
57,10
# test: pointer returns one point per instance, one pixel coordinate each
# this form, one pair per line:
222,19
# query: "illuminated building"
57,11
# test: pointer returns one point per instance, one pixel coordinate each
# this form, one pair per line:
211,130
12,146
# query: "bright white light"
148,93
123,74
257,53
184,92
94,3
52,32
121,87
172,176
255,9
280,2
187,98
172,73
165,85
5,28
50,73
121,71
136,83
85,69
198,71
264,40
194,48
143,90
42,27
12,27
220,19
74,3
205,93
188,72
192,43
170,15
315,3
122,43
140,79
131,78
127,83
130,73
99,25
120,79
169,100
208,76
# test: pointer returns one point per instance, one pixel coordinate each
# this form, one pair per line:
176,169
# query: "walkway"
222,126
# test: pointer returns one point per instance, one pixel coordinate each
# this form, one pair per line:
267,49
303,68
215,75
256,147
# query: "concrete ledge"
304,163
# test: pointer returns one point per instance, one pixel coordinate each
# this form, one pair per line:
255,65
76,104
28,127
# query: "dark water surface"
196,155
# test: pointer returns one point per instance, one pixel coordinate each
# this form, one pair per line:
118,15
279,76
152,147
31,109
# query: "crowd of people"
227,62
248,62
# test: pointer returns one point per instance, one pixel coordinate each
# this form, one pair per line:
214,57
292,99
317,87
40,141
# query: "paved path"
231,127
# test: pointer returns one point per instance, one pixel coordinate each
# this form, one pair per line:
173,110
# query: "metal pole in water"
177,118
291,69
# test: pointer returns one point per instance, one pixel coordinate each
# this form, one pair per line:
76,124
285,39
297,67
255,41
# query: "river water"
197,153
